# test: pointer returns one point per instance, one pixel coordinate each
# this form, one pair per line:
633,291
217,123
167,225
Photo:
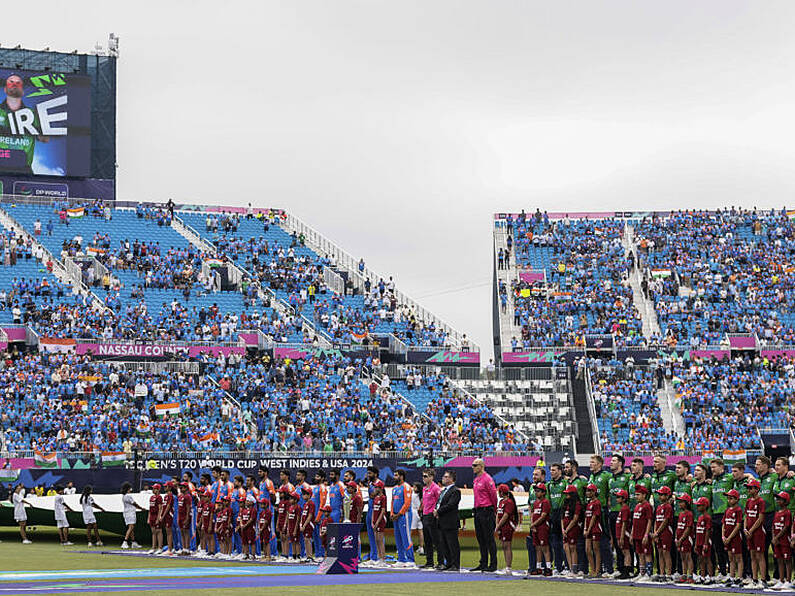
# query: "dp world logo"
347,542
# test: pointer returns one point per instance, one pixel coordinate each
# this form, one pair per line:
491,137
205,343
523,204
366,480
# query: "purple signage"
15,333
532,276
447,357
250,339
777,353
154,350
718,354
742,342
537,356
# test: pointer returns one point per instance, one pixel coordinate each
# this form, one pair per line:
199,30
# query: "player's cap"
685,497
540,486
733,493
156,485
592,487
184,485
307,490
570,490
784,496
663,490
169,484
326,508
753,483
352,484
640,488
295,495
378,484
622,493
702,502
503,488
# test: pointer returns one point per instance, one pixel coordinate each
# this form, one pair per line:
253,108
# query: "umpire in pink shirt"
485,516
430,525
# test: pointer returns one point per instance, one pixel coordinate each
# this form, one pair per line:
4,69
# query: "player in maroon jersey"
204,525
623,536
539,527
184,512
223,526
357,503
166,519
323,522
507,519
782,522
264,526
684,537
642,520
570,526
293,519
593,530
731,534
307,523
662,534
703,547
755,532
378,518
155,504
281,520
246,520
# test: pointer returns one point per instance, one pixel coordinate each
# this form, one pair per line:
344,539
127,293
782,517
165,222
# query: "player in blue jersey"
401,519
371,477
319,498
336,496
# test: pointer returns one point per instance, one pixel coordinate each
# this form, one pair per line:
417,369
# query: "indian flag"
76,212
143,429
214,262
170,408
113,458
8,475
791,213
45,460
358,337
662,273
207,440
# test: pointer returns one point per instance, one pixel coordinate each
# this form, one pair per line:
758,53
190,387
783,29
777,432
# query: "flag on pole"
170,408
113,458
45,460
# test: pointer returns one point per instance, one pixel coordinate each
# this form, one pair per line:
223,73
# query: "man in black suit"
447,515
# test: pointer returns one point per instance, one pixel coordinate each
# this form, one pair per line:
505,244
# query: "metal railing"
597,440
150,366
333,280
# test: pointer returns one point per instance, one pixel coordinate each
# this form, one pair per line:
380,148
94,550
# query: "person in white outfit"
20,515
130,508
89,519
416,518
60,516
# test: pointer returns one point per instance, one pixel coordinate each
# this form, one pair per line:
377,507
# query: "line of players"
251,517
699,530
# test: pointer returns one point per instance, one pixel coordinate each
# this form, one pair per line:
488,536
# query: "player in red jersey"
663,535
307,523
264,525
642,519
379,519
782,522
166,518
155,504
623,535
281,520
684,537
246,520
323,522
507,518
570,520
357,503
184,512
223,526
204,524
293,520
593,530
703,547
755,532
539,528
732,538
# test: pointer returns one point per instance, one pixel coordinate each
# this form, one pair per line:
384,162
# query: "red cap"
352,484
685,497
592,487
169,484
570,490
753,482
641,488
284,489
307,490
663,490
326,508
622,493
733,493
503,488
541,486
702,501
783,495
156,485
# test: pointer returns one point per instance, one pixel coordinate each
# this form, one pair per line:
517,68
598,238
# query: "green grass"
46,554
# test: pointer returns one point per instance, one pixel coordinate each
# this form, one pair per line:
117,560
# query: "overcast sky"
398,128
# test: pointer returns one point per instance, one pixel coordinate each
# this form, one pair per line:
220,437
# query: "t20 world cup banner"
45,123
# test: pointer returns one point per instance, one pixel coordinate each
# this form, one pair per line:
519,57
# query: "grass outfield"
46,554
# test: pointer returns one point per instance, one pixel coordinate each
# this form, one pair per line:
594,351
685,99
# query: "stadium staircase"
670,410
651,325
508,276
587,438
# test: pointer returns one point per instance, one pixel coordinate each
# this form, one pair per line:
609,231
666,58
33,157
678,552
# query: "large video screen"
45,123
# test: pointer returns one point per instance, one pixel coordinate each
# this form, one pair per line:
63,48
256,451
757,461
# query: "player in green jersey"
701,487
660,475
575,479
767,483
11,137
722,482
637,477
618,481
740,478
555,487
601,479
681,488
785,481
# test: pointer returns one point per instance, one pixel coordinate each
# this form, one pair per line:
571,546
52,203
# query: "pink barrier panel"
563,214
496,460
154,350
531,356
15,333
291,353
447,357
531,276
251,339
742,342
777,353
719,354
